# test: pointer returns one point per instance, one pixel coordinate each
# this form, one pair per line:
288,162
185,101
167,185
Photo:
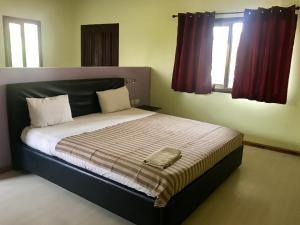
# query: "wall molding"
272,148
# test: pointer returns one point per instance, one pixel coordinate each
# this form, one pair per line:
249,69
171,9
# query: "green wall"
148,38
56,18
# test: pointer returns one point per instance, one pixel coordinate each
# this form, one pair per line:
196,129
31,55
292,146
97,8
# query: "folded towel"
163,158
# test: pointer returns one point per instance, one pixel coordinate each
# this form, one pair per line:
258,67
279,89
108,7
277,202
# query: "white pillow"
49,111
114,100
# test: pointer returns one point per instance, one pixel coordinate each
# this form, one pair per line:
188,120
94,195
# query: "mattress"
114,146
45,139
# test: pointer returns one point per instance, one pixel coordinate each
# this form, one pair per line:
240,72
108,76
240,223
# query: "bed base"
117,198
122,200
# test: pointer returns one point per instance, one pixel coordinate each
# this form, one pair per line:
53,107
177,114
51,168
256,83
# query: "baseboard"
272,148
5,169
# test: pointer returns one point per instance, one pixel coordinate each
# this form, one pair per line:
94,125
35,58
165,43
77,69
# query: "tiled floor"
265,190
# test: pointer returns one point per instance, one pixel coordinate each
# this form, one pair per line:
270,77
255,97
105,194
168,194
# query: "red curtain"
264,55
193,60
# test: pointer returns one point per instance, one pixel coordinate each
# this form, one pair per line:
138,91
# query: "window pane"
220,46
236,34
32,45
16,45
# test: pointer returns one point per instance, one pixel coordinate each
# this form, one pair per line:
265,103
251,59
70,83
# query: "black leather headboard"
82,96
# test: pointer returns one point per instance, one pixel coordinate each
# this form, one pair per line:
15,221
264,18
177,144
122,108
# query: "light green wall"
148,38
56,18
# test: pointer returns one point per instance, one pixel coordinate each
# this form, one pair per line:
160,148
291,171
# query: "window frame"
227,22
21,21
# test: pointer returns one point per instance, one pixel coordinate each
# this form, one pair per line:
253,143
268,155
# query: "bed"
117,195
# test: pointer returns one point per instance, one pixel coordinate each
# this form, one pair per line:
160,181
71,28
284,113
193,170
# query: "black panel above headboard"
82,95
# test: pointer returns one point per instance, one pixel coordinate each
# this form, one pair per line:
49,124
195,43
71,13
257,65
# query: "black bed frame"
115,197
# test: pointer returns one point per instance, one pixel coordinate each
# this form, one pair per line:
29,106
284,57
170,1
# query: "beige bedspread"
122,149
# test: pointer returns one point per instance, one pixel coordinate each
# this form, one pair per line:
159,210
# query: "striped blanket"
122,149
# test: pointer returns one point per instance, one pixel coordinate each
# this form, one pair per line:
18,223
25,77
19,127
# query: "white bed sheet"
45,139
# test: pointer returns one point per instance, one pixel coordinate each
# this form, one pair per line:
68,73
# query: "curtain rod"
225,13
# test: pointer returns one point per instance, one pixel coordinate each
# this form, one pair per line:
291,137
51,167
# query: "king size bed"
100,156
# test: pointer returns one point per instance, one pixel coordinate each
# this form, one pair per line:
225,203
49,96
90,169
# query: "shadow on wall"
294,82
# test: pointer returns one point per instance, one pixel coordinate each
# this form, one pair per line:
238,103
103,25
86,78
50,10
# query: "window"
227,34
22,42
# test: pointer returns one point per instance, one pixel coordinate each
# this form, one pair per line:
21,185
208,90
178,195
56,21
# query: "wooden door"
100,45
